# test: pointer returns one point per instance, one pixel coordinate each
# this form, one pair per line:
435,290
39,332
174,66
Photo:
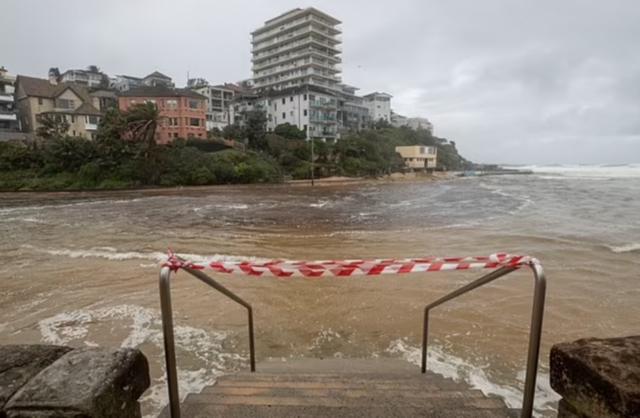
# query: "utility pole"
312,163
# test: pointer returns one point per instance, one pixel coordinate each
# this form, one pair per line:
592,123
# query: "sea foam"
458,369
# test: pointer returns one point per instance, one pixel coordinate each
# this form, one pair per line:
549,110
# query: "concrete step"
347,393
429,400
340,389
195,410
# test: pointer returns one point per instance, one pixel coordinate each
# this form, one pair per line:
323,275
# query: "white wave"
586,171
320,204
459,369
144,327
232,206
113,254
626,248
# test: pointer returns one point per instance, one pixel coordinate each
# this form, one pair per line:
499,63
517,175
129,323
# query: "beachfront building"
182,111
126,82
312,110
418,157
414,123
219,101
38,98
295,66
379,105
8,116
91,77
352,114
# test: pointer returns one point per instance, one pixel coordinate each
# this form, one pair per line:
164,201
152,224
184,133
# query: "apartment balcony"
304,21
261,64
312,67
4,97
8,116
324,45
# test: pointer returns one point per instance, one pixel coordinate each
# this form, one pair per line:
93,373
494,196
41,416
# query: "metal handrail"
535,331
167,329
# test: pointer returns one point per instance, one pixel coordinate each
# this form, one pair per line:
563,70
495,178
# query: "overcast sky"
553,81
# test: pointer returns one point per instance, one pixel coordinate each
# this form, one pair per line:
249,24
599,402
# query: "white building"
91,77
414,123
295,66
315,112
8,116
379,105
298,48
126,82
219,102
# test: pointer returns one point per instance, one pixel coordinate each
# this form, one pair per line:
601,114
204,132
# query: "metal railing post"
169,344
535,334
458,292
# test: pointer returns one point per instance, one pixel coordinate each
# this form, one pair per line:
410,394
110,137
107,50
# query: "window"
304,97
275,106
194,104
305,112
284,115
65,104
291,98
194,122
305,128
284,100
172,104
40,100
73,119
291,113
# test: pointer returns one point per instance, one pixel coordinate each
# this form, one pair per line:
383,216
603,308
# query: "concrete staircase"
340,388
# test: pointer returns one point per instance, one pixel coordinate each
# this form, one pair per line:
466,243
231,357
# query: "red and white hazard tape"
345,268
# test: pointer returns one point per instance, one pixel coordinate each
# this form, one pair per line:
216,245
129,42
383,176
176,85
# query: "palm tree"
141,125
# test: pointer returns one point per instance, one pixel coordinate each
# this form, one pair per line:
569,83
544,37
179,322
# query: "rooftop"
160,91
292,14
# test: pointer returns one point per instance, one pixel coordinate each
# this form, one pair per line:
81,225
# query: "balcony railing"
6,97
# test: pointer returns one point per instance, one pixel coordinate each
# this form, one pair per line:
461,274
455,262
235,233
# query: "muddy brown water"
81,269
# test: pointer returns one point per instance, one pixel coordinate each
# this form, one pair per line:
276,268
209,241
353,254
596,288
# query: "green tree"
52,127
289,131
255,129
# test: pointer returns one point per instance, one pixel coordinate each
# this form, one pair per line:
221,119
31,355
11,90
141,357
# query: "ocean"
81,269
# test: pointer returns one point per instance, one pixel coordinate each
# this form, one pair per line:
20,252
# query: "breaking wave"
459,369
89,326
113,254
626,248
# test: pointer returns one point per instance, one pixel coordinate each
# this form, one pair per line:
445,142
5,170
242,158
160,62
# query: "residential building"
219,100
313,110
298,48
157,79
414,123
379,105
127,82
182,111
36,98
353,115
295,66
8,116
245,101
124,82
419,157
91,77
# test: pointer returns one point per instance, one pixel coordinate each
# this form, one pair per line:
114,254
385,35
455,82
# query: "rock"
598,377
19,363
85,383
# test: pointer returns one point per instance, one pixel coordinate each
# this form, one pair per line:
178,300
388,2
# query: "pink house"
182,111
